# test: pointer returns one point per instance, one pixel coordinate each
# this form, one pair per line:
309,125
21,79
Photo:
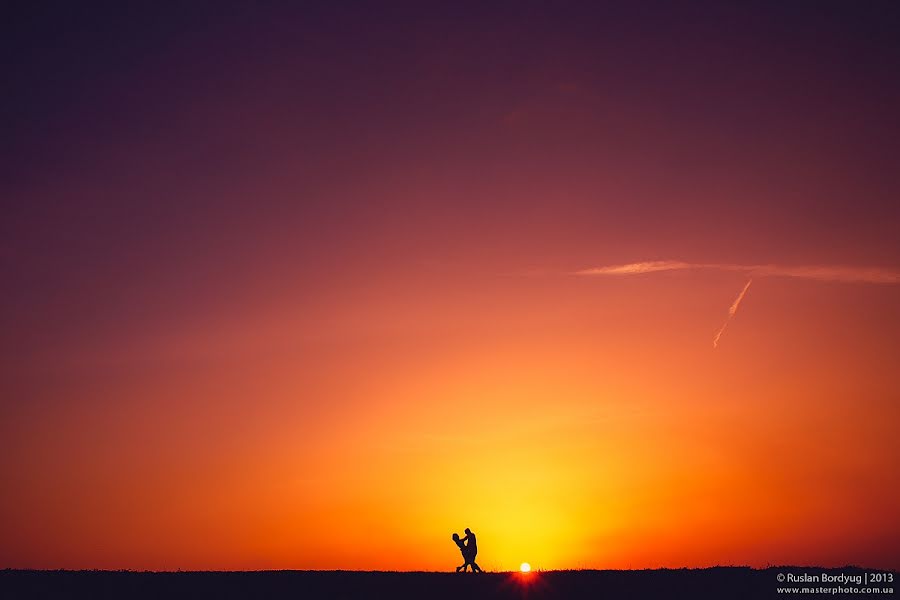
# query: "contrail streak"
731,312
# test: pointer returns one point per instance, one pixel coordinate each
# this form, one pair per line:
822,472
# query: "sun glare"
525,567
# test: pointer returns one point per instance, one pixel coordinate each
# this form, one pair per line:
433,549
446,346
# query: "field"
719,582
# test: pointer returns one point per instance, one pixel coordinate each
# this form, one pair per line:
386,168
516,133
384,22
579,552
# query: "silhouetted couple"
469,548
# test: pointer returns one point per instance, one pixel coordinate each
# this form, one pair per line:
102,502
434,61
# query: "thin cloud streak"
818,273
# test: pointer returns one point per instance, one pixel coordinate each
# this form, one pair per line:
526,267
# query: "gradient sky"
295,287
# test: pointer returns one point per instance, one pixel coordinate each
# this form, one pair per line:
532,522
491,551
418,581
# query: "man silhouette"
471,550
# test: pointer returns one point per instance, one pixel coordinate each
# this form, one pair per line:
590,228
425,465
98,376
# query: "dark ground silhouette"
715,583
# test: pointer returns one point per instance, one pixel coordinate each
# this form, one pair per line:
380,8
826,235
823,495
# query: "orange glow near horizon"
612,437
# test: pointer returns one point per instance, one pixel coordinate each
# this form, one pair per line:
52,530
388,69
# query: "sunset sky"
306,287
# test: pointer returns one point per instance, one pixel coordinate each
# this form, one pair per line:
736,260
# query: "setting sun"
525,568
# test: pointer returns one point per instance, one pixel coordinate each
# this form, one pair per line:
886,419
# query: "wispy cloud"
841,274
820,273
639,267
